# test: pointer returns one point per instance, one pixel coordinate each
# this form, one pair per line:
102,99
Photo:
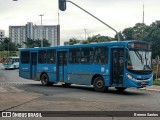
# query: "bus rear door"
117,66
61,72
33,68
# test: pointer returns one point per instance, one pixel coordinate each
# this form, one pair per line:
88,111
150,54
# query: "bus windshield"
139,60
9,61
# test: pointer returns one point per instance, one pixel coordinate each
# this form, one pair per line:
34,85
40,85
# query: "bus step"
60,83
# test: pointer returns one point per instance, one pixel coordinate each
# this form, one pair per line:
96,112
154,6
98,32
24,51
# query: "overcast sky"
119,14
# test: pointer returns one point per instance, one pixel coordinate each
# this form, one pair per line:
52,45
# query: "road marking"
16,89
10,89
15,83
2,89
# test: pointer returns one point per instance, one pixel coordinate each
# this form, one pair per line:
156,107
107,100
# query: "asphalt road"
18,94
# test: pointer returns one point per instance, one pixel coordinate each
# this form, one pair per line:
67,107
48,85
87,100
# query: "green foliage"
7,45
147,33
156,82
30,43
93,39
153,37
120,35
99,38
140,31
73,41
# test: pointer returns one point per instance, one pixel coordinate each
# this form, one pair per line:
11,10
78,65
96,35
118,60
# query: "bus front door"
33,71
117,66
61,66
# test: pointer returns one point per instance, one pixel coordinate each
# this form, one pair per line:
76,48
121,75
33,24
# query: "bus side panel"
83,74
48,69
51,72
24,71
80,74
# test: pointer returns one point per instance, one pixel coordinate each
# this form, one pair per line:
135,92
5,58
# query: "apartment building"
19,34
2,35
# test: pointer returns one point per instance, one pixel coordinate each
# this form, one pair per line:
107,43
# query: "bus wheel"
99,84
120,89
45,80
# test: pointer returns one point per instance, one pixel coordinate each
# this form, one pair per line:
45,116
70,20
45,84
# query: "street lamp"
41,29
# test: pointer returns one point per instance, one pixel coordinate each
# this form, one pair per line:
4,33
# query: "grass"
156,82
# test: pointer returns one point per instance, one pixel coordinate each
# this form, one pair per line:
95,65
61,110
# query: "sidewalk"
153,88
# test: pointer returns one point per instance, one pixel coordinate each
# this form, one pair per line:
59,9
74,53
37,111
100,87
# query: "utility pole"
143,14
58,17
41,30
85,32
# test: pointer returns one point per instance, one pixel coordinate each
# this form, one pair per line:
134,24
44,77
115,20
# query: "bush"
156,82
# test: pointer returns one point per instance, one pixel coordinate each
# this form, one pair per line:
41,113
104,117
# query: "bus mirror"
62,5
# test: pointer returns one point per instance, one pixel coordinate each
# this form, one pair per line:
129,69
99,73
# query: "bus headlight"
129,76
138,80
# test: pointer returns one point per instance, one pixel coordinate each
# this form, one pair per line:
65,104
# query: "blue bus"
120,64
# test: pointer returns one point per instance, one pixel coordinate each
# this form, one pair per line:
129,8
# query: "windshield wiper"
138,55
146,59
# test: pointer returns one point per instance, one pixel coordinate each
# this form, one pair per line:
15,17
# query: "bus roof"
112,43
13,57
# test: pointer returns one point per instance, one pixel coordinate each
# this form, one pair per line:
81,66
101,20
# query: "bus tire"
99,84
120,89
45,80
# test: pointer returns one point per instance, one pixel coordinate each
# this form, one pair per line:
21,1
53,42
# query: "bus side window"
42,56
25,57
101,55
87,55
74,56
51,57
13,60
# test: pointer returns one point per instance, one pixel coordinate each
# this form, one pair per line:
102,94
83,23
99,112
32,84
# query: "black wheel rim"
44,79
99,84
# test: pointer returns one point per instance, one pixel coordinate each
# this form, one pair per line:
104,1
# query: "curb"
152,89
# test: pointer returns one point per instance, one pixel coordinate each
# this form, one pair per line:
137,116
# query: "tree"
7,45
46,43
153,37
73,41
120,35
138,32
30,43
128,33
98,38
